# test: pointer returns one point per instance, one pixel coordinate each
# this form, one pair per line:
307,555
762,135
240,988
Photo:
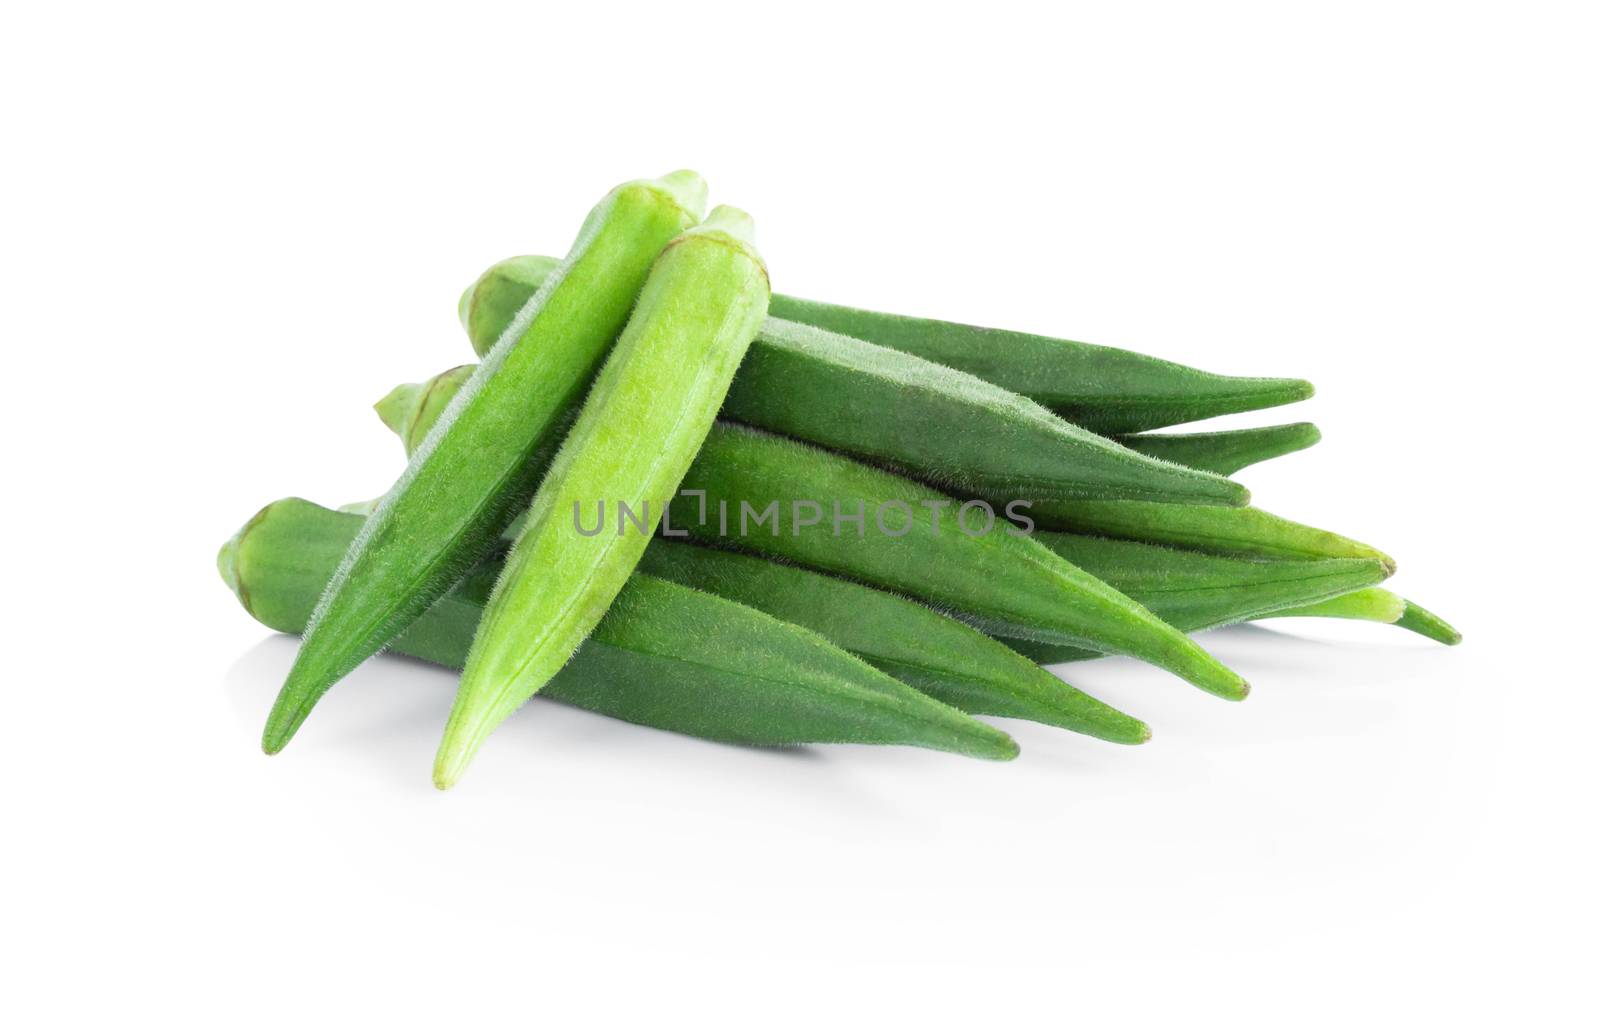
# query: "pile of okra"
669,495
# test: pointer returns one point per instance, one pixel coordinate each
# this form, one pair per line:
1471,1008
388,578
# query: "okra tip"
1428,624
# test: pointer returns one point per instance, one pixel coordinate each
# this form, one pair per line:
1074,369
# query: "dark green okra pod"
1193,591
920,543
1226,452
664,656
478,465
1227,531
937,655
896,410
1102,388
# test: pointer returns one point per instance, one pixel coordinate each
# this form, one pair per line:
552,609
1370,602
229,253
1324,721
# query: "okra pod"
477,466
1226,452
664,656
1194,591
937,655
1107,390
921,543
940,425
635,435
1228,531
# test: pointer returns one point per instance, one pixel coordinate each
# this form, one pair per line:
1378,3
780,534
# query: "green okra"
897,410
920,543
1002,582
1226,452
1105,389
943,657
1382,607
938,655
664,656
1228,531
1194,591
478,465
634,437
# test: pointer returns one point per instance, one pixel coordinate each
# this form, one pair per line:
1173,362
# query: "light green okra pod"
477,467
664,656
896,410
634,437
938,655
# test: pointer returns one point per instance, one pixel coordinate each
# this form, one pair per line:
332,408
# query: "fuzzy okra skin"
1226,452
910,539
938,655
891,408
1380,606
999,581
1226,531
1102,388
634,437
664,656
1194,591
477,466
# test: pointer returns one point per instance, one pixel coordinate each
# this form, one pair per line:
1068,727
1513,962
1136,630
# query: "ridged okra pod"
478,465
841,516
938,655
1228,531
664,656
1102,388
634,438
1226,452
1193,591
890,408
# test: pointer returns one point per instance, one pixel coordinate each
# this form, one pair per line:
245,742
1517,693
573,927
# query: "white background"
227,229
